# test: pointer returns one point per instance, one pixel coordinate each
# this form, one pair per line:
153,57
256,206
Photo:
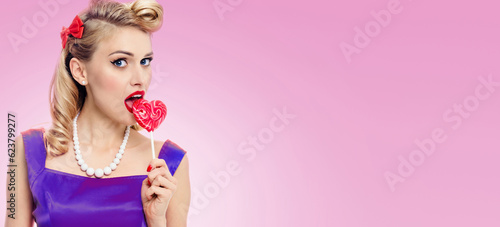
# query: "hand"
156,191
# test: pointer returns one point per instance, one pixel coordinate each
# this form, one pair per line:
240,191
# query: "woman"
91,168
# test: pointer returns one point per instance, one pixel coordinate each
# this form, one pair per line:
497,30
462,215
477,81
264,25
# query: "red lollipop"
149,115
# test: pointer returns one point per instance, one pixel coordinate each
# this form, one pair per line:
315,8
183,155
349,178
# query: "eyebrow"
128,53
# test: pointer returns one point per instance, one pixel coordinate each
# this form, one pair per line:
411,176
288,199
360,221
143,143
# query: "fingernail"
149,168
149,182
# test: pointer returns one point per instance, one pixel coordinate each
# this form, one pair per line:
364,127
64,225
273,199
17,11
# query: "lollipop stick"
152,145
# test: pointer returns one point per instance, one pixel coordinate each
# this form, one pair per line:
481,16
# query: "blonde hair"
67,96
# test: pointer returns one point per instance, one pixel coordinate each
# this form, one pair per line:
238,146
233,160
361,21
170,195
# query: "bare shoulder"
179,157
178,208
183,169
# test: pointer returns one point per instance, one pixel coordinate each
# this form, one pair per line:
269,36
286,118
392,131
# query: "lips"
129,101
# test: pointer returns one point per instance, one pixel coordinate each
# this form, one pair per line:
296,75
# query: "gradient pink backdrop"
222,76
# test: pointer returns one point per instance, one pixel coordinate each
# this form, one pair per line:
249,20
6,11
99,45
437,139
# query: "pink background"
221,77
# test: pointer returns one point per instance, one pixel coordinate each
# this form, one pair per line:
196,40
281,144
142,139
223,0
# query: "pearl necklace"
98,173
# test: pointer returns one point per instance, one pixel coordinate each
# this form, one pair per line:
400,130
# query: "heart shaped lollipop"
149,115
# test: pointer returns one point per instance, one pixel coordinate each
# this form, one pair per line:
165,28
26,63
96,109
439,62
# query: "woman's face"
119,67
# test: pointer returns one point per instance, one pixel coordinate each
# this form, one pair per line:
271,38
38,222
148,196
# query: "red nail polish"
149,168
149,182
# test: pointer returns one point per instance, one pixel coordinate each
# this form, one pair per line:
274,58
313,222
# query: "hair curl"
66,95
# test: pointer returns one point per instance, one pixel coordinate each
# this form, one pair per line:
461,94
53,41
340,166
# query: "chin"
127,118
131,120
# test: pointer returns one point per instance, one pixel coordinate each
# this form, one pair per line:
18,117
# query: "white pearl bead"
90,171
99,173
107,170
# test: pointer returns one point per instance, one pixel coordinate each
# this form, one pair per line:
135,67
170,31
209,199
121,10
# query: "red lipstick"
129,101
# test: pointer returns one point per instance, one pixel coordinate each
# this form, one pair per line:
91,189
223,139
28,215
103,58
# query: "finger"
161,193
145,182
162,171
164,183
150,193
154,174
159,163
145,191
160,180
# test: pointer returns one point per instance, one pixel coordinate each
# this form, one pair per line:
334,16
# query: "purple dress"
64,199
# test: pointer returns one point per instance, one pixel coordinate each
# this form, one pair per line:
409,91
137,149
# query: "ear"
77,69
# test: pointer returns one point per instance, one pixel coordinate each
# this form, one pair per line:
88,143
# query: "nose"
140,76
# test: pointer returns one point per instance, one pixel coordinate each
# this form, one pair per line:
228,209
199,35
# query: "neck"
98,130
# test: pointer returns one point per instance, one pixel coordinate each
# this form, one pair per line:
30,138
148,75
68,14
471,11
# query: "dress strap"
34,152
172,154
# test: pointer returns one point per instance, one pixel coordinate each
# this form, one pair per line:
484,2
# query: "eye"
146,61
119,62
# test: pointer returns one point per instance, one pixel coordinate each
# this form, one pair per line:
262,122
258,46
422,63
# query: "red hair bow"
75,29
